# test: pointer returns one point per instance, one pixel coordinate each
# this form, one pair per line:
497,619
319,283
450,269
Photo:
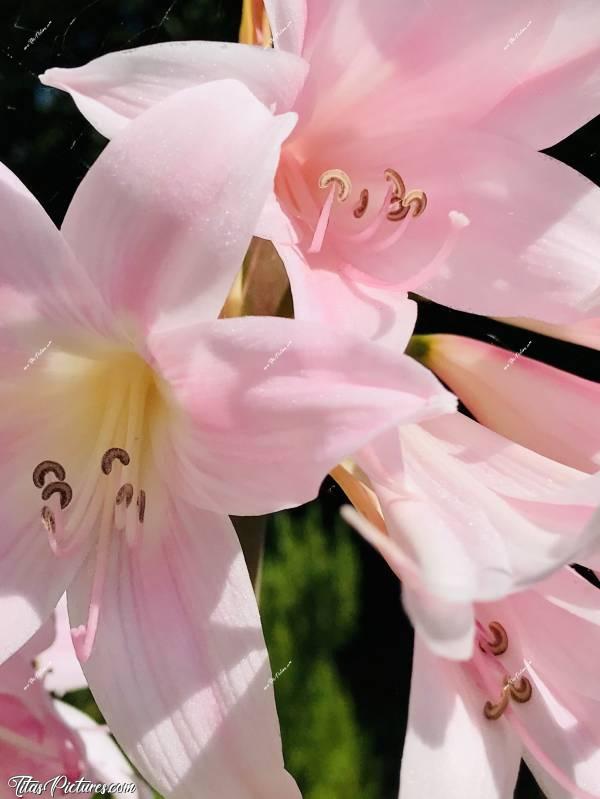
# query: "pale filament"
84,636
118,510
68,756
340,188
26,744
458,222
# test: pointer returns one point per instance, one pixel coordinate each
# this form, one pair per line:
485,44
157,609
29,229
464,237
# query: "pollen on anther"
341,179
363,204
60,487
125,493
141,503
42,469
499,644
110,455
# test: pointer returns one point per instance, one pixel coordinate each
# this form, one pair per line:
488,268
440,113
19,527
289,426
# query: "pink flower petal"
115,88
163,218
477,515
586,332
179,666
451,750
39,296
559,730
107,764
409,64
328,296
287,19
564,608
275,404
560,91
503,389
32,578
446,627
526,251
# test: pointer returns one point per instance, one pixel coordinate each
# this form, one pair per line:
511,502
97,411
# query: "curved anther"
399,213
493,710
141,503
403,203
499,644
521,691
394,178
415,201
110,455
363,204
64,489
342,181
42,469
125,493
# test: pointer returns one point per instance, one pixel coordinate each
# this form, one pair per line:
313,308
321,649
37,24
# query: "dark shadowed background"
331,609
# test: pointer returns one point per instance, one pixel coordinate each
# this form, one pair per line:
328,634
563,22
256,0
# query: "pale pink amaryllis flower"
539,406
48,740
530,690
413,165
147,420
33,738
463,516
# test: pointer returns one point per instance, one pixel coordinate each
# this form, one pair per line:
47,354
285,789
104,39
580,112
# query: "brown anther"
42,469
499,644
110,455
415,201
402,203
521,691
363,204
394,178
64,489
141,503
398,213
48,520
493,710
125,493
341,179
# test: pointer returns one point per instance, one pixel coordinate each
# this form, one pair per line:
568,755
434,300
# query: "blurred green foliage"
309,606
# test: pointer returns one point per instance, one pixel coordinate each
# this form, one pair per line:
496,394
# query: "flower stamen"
493,710
499,643
110,455
141,503
125,493
62,488
340,179
42,469
363,204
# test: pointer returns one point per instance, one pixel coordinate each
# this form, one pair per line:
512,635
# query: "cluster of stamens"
519,690
399,202
396,206
64,541
61,487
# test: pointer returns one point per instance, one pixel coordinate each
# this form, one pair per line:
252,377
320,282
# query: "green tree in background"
309,606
